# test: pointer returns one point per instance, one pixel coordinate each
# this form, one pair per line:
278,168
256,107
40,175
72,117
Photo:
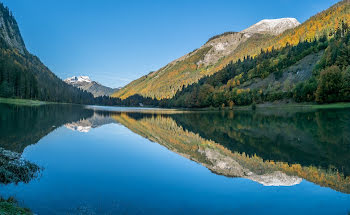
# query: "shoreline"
24,102
275,105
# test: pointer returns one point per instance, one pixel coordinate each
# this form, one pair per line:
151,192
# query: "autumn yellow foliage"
165,82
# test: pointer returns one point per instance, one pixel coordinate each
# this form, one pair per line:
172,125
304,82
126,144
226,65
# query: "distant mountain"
23,75
188,69
84,83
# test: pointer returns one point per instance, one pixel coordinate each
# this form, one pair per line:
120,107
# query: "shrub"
330,85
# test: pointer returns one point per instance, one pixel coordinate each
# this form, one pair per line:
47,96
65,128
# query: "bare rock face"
222,45
9,31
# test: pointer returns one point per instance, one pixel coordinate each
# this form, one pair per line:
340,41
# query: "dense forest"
19,79
329,82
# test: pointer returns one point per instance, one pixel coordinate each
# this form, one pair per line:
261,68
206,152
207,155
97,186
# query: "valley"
255,120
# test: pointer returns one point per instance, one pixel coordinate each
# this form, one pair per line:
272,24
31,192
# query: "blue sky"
115,42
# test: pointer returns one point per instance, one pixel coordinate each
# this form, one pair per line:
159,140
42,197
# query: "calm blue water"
109,169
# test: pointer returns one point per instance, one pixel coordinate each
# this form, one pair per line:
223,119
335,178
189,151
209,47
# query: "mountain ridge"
189,69
193,66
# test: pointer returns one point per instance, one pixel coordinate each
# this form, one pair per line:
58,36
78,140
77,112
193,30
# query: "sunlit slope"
220,160
323,23
165,82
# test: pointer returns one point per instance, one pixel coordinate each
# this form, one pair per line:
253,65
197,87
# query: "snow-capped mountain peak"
79,79
85,83
272,26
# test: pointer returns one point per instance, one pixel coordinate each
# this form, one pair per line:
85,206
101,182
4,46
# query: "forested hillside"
243,82
23,75
188,69
167,81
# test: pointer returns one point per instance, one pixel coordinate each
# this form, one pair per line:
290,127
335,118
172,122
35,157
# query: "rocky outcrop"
9,31
221,46
13,169
299,72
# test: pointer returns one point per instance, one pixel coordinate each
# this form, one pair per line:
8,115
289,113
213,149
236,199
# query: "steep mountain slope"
165,82
93,87
9,31
23,75
189,69
313,68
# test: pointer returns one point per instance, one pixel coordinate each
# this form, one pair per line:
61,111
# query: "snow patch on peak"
79,79
272,26
84,79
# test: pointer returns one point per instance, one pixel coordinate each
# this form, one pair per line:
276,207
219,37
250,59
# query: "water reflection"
273,148
243,144
22,126
85,125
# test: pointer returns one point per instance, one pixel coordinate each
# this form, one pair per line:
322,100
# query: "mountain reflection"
85,125
22,126
231,160
273,148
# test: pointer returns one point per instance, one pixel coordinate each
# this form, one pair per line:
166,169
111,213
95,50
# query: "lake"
103,160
